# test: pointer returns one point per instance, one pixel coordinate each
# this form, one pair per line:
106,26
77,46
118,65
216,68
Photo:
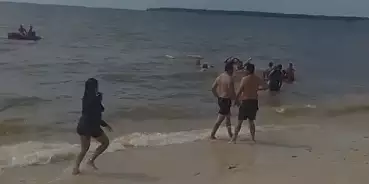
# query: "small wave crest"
295,110
38,153
322,110
12,102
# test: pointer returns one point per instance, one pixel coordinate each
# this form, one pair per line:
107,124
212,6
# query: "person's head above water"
290,65
91,88
271,64
250,68
229,68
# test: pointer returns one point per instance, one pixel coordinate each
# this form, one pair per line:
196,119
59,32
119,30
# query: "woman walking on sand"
90,124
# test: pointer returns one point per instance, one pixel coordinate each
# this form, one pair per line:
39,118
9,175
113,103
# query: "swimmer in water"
268,70
206,66
90,124
248,94
276,79
223,90
290,73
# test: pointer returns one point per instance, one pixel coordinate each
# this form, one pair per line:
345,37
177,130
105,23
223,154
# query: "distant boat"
18,36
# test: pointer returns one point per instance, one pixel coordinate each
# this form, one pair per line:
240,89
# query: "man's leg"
229,126
252,129
216,126
237,131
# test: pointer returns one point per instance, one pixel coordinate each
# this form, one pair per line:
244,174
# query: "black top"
275,77
92,110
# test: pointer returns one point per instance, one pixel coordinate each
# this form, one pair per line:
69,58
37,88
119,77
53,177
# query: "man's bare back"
224,86
223,89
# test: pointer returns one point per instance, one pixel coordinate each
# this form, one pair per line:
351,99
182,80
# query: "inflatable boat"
18,36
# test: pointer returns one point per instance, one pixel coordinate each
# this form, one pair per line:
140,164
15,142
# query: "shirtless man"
248,93
223,90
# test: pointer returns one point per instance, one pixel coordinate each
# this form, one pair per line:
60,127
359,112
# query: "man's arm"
281,78
233,90
239,92
214,88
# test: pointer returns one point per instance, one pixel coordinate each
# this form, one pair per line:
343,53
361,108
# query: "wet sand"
329,152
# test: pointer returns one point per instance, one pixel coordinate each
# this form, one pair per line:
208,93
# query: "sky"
323,7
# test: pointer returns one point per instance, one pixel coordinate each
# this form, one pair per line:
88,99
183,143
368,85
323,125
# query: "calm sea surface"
42,82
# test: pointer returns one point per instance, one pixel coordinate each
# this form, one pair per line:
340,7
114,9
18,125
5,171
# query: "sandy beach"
319,152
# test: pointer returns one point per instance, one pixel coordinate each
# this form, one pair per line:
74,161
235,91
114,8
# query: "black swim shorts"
248,109
87,128
224,106
274,86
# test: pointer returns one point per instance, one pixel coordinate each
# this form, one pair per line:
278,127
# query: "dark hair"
228,67
270,64
250,68
230,59
91,87
280,67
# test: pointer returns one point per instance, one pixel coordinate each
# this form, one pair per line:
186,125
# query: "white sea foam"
34,153
169,57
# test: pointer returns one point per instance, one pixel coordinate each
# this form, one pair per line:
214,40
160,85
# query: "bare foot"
92,164
76,171
230,136
232,141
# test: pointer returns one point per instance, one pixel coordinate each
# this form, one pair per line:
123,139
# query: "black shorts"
274,86
224,106
248,109
89,129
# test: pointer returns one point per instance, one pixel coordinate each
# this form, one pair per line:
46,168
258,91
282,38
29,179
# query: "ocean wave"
295,110
322,110
12,102
120,77
155,112
39,153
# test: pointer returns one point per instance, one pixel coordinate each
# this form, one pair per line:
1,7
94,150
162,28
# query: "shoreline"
327,152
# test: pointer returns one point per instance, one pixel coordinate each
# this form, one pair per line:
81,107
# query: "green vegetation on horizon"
260,14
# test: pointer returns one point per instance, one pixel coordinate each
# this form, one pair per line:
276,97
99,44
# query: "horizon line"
169,7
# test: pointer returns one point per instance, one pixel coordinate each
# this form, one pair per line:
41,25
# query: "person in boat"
289,74
22,31
31,32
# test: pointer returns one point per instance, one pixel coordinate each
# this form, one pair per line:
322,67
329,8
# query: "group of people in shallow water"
26,33
246,98
276,75
223,88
